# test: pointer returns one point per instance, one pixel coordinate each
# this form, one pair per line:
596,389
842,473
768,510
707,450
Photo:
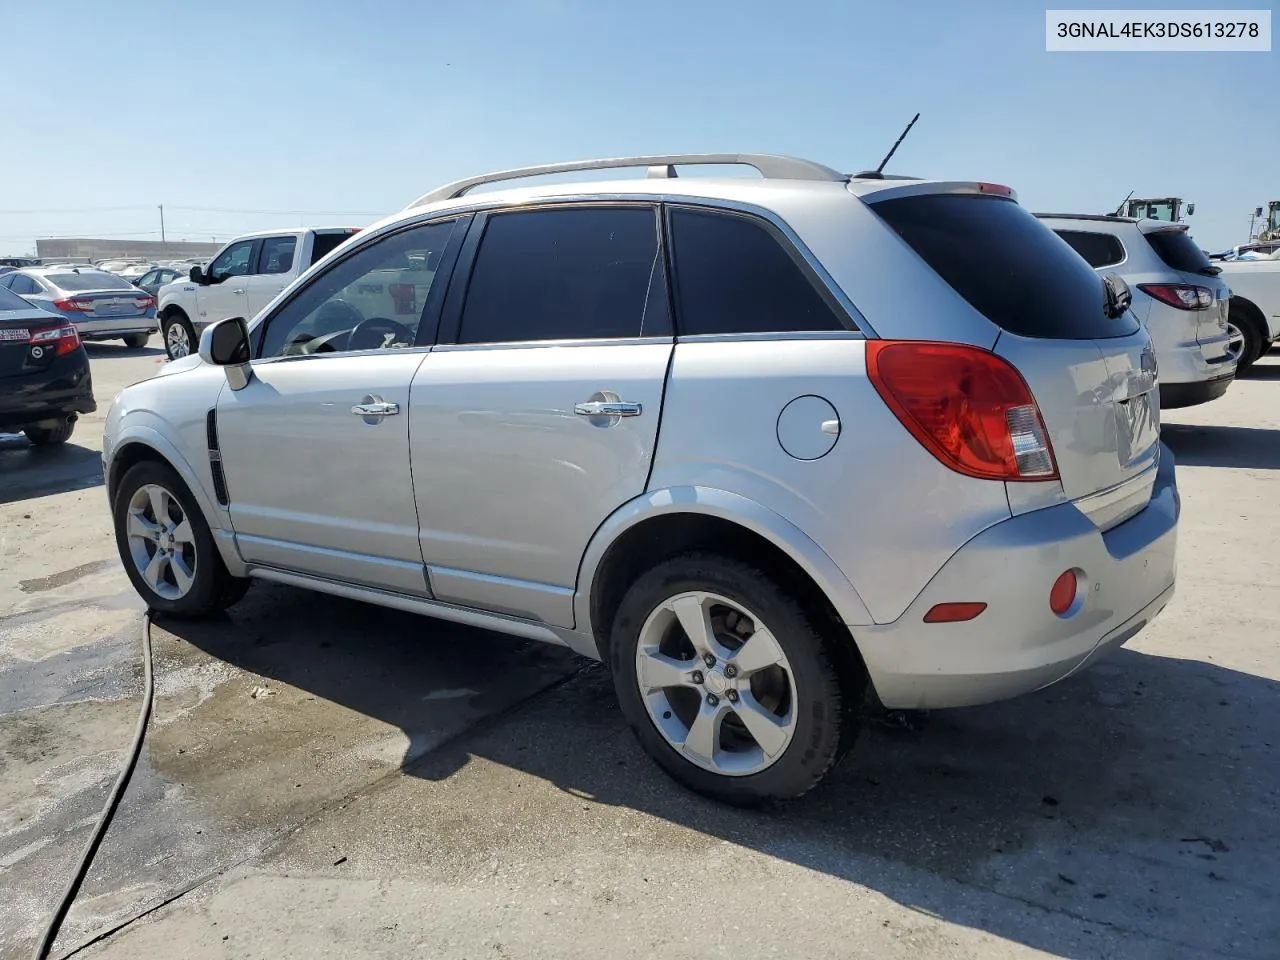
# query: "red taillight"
969,408
1184,296
1063,593
74,305
998,189
62,340
953,612
144,303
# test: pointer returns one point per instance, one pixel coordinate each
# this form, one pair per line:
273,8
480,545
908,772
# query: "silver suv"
1177,294
764,445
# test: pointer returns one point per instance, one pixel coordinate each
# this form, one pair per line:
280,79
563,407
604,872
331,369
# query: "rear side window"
1098,249
566,274
325,243
733,275
1011,268
1178,250
11,301
276,255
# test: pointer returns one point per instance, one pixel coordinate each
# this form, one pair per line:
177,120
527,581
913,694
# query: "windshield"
1011,268
88,280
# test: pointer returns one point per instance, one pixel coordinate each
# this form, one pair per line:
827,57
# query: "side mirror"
197,274
226,344
1191,208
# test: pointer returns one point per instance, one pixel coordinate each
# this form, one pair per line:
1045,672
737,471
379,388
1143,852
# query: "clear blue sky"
356,108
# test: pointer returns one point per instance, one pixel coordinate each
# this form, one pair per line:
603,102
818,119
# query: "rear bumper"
48,395
1017,644
115,327
1174,395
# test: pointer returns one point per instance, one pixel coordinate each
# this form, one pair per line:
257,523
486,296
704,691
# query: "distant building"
101,249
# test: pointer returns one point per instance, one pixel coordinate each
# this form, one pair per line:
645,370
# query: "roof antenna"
878,172
1120,209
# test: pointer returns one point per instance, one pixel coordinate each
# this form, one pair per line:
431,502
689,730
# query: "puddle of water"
62,578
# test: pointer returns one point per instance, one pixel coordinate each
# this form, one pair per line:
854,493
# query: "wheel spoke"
154,572
160,505
140,526
658,671
694,615
704,734
182,574
182,533
769,731
760,651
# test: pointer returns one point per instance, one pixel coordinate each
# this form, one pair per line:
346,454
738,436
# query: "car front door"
536,416
225,293
315,448
276,259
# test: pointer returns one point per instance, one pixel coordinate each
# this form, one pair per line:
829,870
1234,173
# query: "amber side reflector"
953,612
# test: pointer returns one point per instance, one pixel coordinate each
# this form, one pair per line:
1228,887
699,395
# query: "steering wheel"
371,334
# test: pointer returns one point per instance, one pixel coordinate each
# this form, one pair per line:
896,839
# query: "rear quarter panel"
878,504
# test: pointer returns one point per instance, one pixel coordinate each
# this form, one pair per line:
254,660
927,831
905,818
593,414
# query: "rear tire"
51,436
773,731
166,546
179,336
136,341
1253,345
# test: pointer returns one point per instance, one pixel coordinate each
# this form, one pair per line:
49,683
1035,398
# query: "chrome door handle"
606,408
379,408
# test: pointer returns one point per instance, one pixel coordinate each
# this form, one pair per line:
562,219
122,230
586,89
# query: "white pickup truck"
239,281
1254,320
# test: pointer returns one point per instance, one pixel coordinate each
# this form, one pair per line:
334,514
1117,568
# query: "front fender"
746,513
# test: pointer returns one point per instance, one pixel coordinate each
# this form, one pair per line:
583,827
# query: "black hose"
104,821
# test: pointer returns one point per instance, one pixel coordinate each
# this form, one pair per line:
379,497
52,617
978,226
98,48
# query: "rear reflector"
1184,296
968,407
953,612
1063,593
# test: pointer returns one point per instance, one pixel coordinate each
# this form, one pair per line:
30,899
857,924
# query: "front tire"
179,336
728,681
51,436
166,546
136,341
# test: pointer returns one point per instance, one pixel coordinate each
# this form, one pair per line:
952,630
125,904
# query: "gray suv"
766,446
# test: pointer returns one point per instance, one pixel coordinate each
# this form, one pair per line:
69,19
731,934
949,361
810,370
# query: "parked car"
157,277
241,279
101,305
1177,295
756,442
44,372
1254,319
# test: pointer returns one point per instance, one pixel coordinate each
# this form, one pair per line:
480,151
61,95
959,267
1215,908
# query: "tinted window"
325,243
1011,268
1098,249
25,285
11,301
733,275
566,274
233,261
277,254
1178,250
371,300
89,280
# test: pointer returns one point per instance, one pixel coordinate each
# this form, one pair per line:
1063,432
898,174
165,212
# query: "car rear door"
315,448
273,269
536,416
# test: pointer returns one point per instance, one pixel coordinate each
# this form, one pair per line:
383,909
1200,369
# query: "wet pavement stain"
63,577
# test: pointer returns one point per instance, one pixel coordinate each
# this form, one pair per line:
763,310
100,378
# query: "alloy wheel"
716,684
161,541
176,339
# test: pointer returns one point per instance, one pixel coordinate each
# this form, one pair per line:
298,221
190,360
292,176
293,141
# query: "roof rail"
770,167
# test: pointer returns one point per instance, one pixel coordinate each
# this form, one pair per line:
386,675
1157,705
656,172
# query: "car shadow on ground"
103,349
1138,797
28,471
1212,445
1263,370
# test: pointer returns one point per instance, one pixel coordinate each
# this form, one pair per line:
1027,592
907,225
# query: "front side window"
371,300
571,273
734,276
232,262
1098,249
277,254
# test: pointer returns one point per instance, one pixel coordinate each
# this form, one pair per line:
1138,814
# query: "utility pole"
162,240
